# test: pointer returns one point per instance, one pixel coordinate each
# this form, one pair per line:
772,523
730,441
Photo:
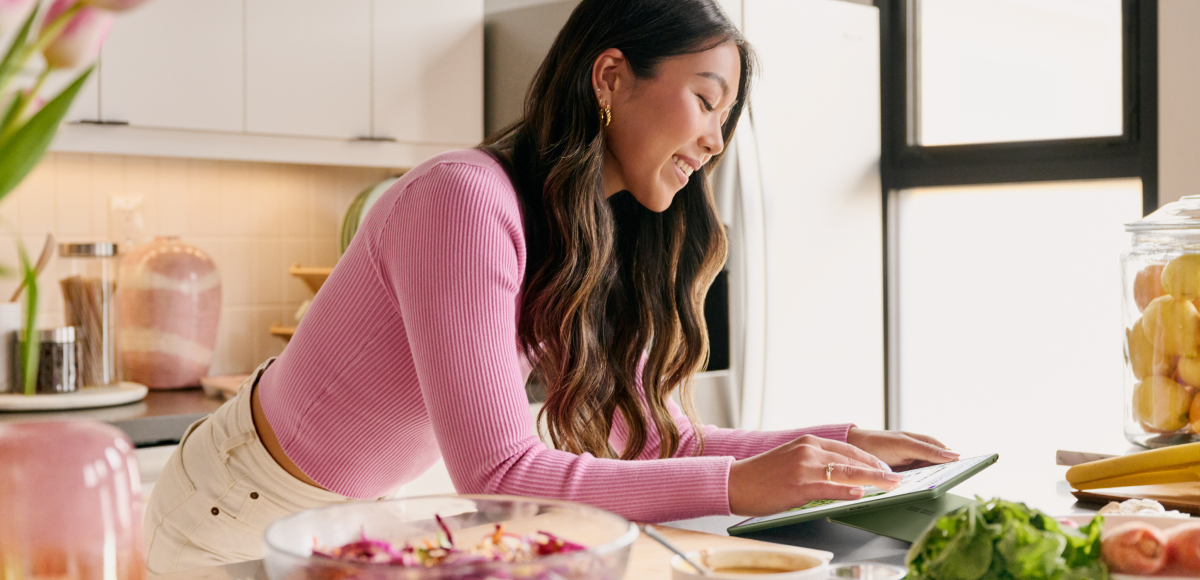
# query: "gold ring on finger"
829,471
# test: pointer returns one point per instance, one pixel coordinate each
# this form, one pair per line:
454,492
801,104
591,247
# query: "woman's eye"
707,106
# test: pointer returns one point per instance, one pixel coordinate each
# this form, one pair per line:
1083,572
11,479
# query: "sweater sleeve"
454,255
736,443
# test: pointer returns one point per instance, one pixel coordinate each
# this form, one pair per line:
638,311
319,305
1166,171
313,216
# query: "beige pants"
220,490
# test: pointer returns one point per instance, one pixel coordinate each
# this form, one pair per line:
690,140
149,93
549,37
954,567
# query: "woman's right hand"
793,474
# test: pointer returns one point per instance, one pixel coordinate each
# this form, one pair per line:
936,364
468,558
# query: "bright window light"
1018,70
1010,328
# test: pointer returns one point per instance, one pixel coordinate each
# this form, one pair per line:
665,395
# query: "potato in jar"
1187,372
1142,358
1173,326
1181,277
1147,285
1161,404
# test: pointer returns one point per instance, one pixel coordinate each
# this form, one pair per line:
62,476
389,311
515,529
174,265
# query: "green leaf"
21,152
1002,540
10,112
30,347
17,52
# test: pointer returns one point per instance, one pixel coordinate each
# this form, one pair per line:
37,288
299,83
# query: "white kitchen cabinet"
86,106
175,64
376,83
428,70
308,68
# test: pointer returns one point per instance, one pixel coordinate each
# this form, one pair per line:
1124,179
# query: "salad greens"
1002,540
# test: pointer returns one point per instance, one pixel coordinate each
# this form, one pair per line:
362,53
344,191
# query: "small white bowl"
793,564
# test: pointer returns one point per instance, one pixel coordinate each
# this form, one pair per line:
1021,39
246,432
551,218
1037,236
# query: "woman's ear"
608,74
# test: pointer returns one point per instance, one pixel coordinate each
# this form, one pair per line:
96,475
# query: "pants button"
254,495
215,511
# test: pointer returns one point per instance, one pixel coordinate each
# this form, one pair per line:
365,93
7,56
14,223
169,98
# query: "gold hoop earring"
606,115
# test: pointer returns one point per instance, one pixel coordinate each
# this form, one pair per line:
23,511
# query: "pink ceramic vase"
170,300
70,502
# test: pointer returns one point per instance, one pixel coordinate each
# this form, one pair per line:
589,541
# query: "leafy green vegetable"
1002,540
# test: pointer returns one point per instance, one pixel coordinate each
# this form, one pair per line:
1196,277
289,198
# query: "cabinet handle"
101,122
376,139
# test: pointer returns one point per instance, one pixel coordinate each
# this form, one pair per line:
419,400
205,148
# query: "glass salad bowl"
300,546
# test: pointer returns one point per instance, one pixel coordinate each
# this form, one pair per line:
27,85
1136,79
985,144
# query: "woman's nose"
712,140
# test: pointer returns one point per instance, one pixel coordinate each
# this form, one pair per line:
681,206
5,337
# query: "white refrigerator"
800,193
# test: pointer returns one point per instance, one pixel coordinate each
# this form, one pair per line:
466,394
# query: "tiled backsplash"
254,219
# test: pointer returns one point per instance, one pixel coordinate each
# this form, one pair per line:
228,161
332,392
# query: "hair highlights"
611,288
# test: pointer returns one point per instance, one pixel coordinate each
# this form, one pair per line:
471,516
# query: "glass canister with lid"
89,289
1161,311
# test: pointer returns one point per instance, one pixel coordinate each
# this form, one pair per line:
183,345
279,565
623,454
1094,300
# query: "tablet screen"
916,480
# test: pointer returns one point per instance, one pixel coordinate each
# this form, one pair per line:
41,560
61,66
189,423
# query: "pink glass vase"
70,502
170,299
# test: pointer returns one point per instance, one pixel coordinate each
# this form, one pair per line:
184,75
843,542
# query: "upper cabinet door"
176,64
308,67
86,106
428,66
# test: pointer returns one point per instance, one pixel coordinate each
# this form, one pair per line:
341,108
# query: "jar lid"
1177,215
60,335
88,250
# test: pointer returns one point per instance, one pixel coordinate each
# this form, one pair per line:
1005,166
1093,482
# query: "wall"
1178,99
516,37
254,219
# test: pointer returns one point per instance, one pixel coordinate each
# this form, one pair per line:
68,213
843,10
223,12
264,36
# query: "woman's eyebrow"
718,78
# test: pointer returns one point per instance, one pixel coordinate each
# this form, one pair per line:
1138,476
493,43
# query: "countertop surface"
1031,477
159,419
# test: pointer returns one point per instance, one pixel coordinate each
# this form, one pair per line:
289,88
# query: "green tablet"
918,485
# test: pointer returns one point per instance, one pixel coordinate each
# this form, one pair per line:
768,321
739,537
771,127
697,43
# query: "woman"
577,244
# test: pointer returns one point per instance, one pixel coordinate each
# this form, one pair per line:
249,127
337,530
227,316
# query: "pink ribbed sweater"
409,352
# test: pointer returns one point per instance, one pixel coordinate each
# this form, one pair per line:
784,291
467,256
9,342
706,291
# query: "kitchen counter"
1030,476
159,419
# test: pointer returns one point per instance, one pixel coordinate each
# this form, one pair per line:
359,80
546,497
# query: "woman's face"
667,127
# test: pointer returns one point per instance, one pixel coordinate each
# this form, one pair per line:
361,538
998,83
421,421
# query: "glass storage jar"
58,361
89,287
1160,301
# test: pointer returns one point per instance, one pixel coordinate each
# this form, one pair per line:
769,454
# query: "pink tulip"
13,13
80,41
115,5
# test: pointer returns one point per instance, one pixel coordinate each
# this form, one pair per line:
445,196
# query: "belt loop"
227,445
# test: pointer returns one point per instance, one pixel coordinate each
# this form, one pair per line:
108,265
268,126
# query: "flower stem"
47,35
26,99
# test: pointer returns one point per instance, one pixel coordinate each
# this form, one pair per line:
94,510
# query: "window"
1019,135
1017,70
950,117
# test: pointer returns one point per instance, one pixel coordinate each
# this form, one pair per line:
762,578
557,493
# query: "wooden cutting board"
1184,497
648,560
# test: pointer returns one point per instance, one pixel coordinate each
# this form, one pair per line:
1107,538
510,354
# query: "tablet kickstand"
904,522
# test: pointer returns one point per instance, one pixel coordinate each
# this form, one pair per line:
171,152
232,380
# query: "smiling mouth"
683,166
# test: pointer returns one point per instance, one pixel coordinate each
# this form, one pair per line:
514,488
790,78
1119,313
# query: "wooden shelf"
313,277
284,332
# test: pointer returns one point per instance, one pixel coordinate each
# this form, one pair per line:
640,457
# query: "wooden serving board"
1184,497
648,560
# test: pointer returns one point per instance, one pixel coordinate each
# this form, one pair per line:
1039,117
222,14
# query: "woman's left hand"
901,450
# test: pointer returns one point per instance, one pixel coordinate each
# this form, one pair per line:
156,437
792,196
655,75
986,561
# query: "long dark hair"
608,281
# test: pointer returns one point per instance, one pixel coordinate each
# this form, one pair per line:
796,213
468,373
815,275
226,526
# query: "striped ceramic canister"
170,300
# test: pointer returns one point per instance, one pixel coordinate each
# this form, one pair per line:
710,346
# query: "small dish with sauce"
759,564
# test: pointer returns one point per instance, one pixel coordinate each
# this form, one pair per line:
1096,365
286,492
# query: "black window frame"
905,164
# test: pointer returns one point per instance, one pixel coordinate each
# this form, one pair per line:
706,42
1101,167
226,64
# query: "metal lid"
1177,215
60,335
89,250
